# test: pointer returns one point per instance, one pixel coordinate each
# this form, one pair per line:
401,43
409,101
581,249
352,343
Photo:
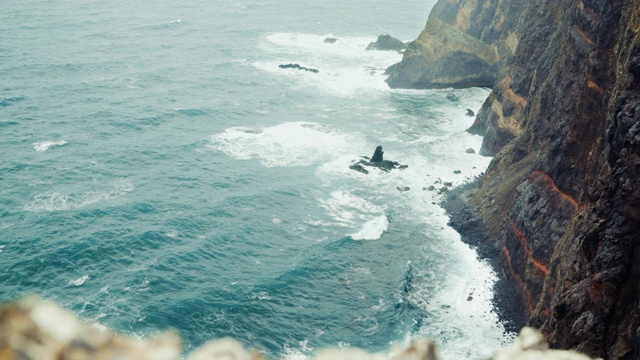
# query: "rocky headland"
559,205
465,43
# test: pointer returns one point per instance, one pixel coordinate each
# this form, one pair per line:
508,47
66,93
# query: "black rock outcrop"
376,161
377,154
297,67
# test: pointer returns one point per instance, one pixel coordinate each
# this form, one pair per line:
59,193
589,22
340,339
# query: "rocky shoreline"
466,221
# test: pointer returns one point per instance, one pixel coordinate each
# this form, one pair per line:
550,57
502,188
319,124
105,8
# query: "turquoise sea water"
159,170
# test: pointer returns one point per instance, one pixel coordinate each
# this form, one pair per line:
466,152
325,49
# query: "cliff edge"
560,202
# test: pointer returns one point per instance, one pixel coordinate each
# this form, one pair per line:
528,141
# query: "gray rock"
387,43
298,67
358,168
378,154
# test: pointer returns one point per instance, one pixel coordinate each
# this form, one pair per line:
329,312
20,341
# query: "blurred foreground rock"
36,329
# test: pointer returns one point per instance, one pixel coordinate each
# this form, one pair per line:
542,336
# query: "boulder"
470,112
387,43
330,40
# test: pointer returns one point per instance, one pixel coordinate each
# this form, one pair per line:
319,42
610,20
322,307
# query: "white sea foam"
349,210
59,201
262,295
79,281
345,67
466,325
284,145
372,229
299,352
45,145
2,248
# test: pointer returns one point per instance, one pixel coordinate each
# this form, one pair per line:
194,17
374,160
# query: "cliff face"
464,43
561,198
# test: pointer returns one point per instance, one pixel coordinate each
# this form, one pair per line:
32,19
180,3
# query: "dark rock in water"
470,151
376,161
388,43
403,188
377,155
457,172
298,67
446,183
469,298
470,112
431,188
330,40
358,168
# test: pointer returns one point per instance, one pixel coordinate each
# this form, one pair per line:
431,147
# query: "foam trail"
79,281
59,201
284,145
372,229
345,67
349,210
45,145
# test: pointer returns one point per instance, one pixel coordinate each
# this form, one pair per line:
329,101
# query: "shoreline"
466,221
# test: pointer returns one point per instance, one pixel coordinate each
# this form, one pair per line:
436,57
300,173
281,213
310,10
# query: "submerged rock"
470,112
330,40
298,67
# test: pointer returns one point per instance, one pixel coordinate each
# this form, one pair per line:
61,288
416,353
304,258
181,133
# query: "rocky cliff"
465,43
560,201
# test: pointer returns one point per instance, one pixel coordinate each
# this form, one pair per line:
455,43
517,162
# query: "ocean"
159,170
